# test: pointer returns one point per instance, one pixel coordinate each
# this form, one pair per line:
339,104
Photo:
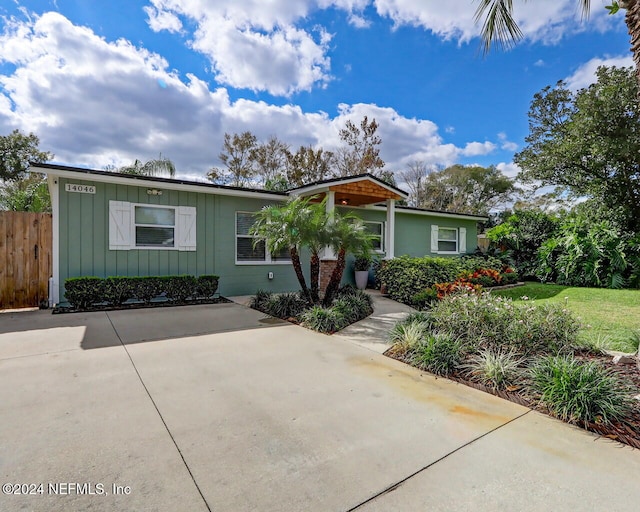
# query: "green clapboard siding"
84,239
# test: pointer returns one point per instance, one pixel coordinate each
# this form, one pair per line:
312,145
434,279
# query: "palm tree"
347,234
155,167
500,27
296,224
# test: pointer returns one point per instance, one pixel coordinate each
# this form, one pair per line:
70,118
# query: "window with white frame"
154,226
376,230
250,249
446,240
145,226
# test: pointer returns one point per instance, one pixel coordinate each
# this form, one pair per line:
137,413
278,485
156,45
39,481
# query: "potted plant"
361,267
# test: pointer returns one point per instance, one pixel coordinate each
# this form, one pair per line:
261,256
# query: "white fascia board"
402,211
149,183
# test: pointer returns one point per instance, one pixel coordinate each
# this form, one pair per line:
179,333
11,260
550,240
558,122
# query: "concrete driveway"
215,408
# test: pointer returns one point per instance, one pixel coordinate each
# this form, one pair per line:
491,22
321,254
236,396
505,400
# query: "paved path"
217,408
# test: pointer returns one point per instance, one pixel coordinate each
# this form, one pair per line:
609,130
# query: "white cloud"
359,21
505,143
539,63
94,102
508,169
543,20
585,75
478,148
162,20
254,44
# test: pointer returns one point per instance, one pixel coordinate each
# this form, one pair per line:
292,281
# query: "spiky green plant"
577,391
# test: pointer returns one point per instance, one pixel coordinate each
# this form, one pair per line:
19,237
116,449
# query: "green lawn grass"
610,317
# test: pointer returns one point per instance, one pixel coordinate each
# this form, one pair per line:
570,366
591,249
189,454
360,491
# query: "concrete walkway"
373,331
241,412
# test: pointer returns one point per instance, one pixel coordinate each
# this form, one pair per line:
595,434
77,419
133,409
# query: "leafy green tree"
16,151
465,189
28,194
520,237
238,157
587,254
156,167
588,142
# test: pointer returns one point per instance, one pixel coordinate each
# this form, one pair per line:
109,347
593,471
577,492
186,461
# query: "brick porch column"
326,269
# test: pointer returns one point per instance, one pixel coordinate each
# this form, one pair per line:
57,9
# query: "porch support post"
390,229
330,206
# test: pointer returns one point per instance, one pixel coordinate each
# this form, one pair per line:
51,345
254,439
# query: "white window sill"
262,263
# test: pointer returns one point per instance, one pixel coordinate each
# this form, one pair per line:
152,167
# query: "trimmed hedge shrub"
412,280
404,277
83,292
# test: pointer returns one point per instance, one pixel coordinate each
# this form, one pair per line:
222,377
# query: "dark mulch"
626,431
140,305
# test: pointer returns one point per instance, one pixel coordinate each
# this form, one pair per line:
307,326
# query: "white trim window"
154,226
151,227
250,249
446,240
376,229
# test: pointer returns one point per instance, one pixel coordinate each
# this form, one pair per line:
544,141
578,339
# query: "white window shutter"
119,226
186,228
463,240
434,239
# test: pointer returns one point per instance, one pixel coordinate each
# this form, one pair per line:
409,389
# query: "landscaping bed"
526,353
349,306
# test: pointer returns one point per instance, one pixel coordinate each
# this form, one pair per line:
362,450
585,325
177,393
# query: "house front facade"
110,224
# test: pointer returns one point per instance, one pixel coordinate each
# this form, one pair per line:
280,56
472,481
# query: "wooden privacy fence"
25,258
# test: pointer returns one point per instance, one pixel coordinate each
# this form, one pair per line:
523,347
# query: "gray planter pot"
362,277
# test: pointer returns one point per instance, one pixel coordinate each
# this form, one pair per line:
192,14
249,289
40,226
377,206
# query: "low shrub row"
350,305
525,349
84,292
413,280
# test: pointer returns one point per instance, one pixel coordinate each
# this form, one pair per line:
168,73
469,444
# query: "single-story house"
110,224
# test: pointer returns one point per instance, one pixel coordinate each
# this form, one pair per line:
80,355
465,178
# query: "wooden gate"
25,258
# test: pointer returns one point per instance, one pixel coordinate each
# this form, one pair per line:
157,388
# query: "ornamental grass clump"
439,353
487,321
285,305
496,369
575,391
326,320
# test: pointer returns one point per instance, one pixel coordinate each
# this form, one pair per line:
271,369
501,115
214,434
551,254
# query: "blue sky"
106,82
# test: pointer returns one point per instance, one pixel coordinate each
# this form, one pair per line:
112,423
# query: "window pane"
447,246
374,228
244,221
154,237
283,255
447,234
376,244
161,216
246,252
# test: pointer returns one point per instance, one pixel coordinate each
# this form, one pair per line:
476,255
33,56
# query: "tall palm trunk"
315,277
297,266
336,277
632,19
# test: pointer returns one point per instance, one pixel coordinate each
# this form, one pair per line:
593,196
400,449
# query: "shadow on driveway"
35,332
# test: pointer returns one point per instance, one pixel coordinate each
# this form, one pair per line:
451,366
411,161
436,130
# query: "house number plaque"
83,189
